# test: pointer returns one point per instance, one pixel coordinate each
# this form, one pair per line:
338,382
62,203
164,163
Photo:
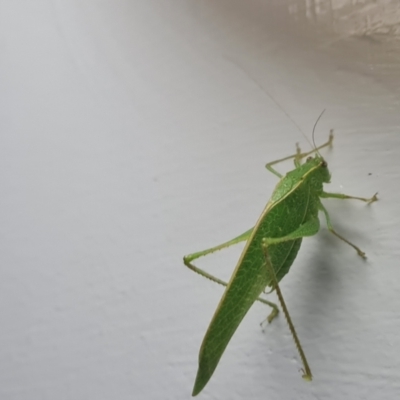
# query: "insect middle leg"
297,156
341,196
187,260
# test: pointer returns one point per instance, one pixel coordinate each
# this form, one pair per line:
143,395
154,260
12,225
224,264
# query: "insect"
271,247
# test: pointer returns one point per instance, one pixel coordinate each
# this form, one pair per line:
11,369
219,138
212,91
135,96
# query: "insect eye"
309,159
324,164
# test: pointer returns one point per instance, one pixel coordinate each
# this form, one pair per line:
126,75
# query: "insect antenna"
312,145
313,132
284,111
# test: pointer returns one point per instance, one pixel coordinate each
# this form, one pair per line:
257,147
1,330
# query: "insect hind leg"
187,260
307,375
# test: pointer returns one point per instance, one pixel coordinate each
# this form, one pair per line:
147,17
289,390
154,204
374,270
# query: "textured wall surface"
134,132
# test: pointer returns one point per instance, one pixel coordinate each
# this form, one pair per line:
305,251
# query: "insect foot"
361,254
373,198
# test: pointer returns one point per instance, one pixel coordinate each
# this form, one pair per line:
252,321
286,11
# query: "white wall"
134,132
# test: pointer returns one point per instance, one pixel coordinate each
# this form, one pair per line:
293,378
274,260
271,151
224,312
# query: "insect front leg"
330,227
187,260
298,156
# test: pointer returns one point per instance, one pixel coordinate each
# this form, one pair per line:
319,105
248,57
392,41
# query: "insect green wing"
294,201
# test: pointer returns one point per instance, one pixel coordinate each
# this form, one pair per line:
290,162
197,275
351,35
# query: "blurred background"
134,132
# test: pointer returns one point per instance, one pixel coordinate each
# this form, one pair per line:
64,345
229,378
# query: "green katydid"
271,247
